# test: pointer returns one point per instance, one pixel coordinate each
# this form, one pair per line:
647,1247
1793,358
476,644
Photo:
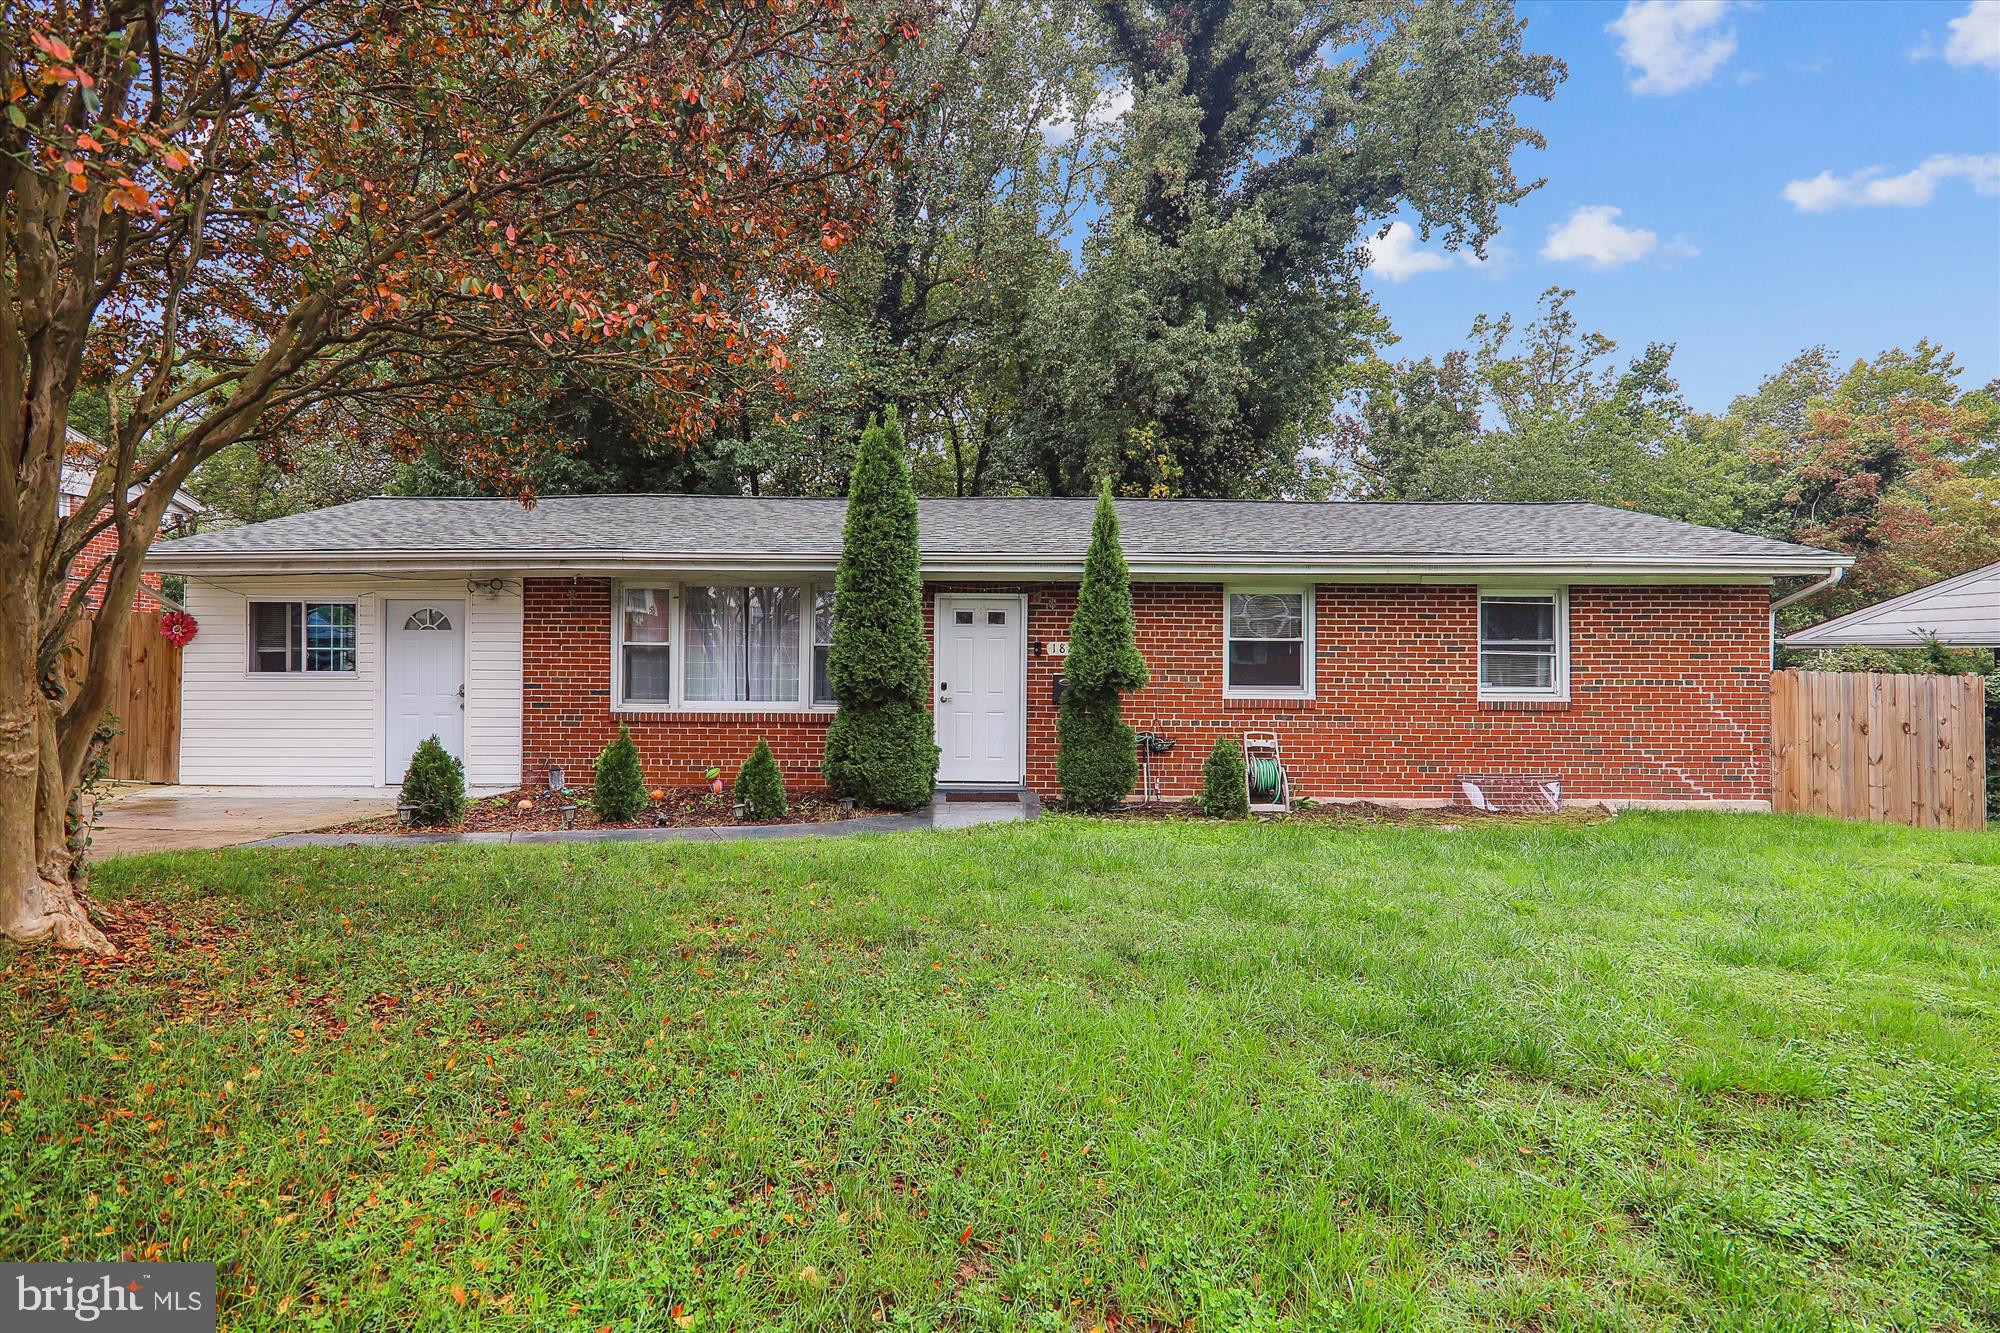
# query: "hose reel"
1269,786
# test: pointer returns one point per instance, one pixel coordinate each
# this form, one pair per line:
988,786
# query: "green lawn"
1668,1071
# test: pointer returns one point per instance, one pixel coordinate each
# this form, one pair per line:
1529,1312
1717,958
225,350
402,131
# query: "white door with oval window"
426,679
982,665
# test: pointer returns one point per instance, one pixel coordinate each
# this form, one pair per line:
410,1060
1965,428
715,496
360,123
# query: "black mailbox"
1056,692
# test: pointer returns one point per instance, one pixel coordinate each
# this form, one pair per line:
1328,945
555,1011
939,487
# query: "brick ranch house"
1391,647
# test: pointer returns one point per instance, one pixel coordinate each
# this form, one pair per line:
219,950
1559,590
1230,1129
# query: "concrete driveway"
159,819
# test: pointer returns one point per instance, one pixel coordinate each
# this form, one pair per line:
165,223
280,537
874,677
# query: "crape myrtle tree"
255,224
1096,753
881,747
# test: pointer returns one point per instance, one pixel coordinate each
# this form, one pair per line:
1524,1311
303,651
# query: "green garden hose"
1265,775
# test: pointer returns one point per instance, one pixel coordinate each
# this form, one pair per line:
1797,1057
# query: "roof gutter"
1833,576
989,566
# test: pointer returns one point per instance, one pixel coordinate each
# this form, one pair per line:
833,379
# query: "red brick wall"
566,702
96,549
1669,694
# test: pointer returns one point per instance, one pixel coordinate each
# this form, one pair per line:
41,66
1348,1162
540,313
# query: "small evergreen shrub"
881,747
760,786
1097,757
434,785
1223,793
619,792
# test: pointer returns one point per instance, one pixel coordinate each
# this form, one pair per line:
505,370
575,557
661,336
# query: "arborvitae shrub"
619,792
881,748
1223,794
760,786
1096,756
434,785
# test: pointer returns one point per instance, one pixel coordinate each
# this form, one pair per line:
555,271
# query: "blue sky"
1691,122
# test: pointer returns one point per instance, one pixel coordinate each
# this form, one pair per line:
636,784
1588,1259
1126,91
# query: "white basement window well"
1267,643
313,638
721,647
1524,644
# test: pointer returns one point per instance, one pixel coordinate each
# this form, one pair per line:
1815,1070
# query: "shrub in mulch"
1224,793
434,785
761,787
620,792
537,810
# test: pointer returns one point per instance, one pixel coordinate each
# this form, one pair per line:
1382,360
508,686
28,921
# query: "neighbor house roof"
1963,611
79,470
997,537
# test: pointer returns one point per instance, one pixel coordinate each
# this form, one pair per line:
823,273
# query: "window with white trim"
1267,638
645,653
308,637
822,647
716,646
1523,645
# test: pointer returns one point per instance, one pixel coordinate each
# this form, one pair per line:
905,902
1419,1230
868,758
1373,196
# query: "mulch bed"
676,807
1369,812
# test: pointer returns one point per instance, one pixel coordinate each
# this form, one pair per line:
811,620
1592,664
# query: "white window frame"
676,646
250,667
1307,594
1558,690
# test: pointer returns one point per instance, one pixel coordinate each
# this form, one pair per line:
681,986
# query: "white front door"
981,672
426,679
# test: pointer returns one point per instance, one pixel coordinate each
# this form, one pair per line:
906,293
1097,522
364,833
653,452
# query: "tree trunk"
43,895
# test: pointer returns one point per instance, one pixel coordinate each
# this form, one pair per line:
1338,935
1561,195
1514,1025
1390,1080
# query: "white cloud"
1396,256
1673,45
1107,108
1869,188
1975,35
1594,236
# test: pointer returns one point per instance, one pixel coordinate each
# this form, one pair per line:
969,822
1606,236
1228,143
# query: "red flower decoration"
177,627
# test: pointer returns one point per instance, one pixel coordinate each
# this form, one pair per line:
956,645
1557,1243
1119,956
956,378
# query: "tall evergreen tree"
881,748
1096,757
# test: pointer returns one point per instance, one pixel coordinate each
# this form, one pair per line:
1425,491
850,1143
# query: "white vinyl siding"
304,729
493,686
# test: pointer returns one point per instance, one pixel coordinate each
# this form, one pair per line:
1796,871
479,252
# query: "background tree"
1097,757
881,748
935,308
1890,461
1542,412
1220,291
246,225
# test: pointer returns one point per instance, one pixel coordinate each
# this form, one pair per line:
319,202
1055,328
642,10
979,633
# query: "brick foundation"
1669,694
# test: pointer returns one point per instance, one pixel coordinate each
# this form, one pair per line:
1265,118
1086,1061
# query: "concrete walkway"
940,814
172,818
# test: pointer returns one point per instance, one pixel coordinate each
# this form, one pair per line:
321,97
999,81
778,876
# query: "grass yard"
1676,1071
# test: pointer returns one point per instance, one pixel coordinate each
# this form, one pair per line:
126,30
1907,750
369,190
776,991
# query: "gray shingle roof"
630,529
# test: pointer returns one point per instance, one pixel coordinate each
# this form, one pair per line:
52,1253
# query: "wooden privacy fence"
146,697
1869,745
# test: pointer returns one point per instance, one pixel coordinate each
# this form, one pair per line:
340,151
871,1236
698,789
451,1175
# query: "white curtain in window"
742,644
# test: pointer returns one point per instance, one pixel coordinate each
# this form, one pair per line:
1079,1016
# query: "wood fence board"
1899,748
146,697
